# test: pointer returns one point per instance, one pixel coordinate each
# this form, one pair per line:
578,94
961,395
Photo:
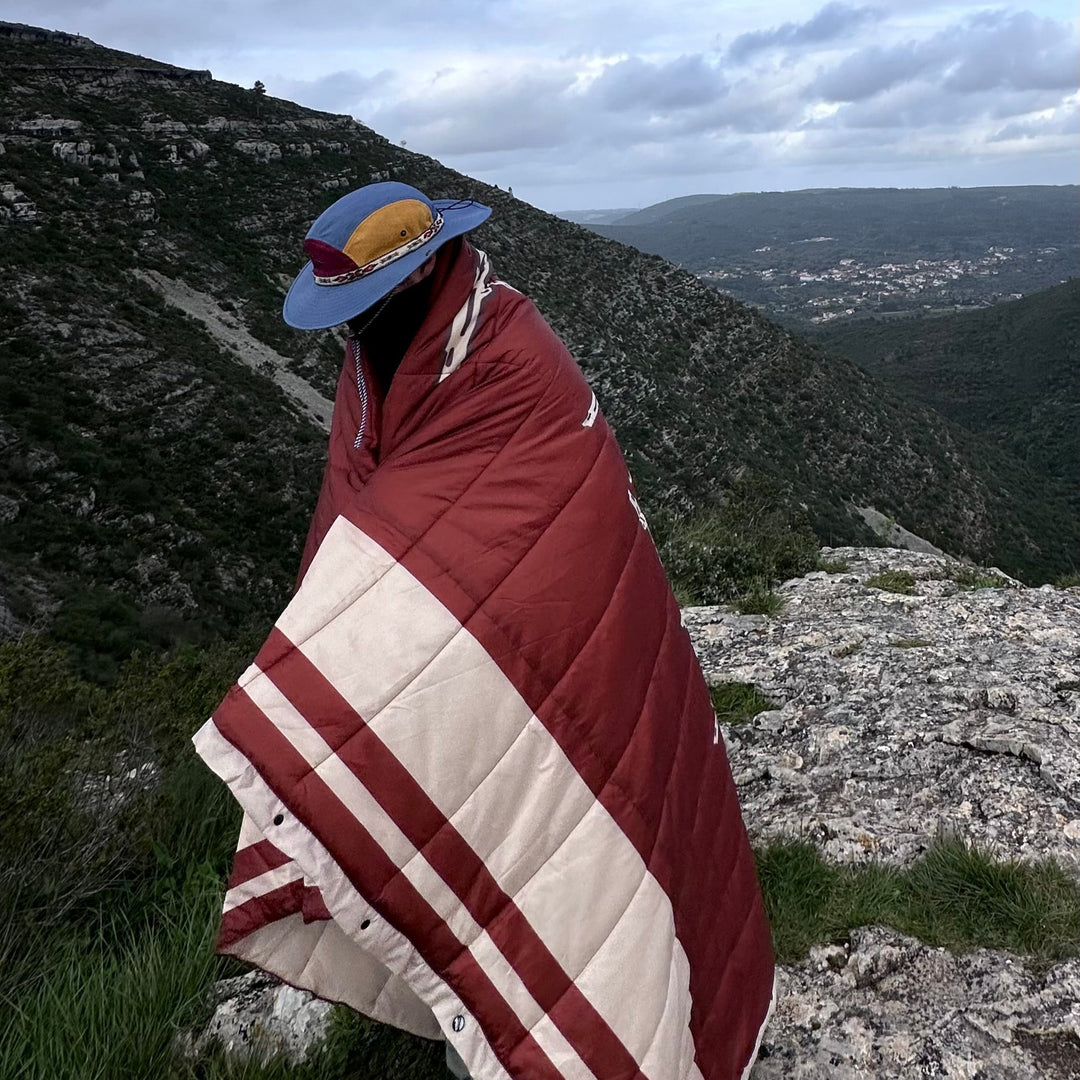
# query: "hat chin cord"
378,311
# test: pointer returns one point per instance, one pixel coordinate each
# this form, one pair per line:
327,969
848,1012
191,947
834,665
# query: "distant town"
853,287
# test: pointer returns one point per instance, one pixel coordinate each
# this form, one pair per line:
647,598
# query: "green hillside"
887,222
1010,372
155,486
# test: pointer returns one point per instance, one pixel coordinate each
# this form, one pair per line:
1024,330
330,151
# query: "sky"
583,104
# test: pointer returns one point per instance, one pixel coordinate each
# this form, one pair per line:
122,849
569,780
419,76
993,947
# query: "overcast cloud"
578,104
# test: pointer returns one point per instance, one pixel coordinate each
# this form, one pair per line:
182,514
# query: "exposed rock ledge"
900,716
890,1008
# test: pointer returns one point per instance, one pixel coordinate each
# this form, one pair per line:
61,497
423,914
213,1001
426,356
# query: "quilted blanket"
485,797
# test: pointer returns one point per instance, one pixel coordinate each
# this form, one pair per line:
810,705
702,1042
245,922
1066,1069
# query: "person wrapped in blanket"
485,794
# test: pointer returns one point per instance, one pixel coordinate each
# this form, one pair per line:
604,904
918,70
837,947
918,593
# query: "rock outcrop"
887,1007
255,1017
898,716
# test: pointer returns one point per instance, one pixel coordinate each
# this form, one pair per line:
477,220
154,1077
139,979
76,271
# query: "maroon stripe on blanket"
253,860
412,810
315,909
380,881
258,912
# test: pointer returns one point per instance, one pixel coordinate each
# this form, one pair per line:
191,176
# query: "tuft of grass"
737,702
896,581
956,895
970,577
832,566
911,643
1068,581
758,599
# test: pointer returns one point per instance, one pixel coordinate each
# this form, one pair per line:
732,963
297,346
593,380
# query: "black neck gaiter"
386,336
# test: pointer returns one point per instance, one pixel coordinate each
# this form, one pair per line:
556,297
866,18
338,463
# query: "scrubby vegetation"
155,491
736,552
1008,371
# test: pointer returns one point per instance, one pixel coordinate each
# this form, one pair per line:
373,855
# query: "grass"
895,581
1068,581
972,577
957,896
758,599
832,566
737,702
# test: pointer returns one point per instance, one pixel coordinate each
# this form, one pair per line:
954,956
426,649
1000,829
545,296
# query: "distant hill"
812,256
1010,372
887,222
161,427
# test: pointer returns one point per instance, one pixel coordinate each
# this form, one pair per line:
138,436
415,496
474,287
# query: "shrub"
738,550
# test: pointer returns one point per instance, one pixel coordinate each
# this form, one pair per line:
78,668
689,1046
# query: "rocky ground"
899,716
887,1007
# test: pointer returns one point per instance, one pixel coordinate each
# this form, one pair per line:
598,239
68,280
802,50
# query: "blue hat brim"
309,306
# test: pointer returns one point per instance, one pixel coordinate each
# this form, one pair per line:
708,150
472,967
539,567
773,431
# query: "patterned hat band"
384,260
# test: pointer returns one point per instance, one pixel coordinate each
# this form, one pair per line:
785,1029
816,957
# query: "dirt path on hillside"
229,332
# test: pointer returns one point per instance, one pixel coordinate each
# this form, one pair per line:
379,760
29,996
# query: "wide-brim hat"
366,243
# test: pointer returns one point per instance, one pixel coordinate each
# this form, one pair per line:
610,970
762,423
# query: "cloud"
1016,52
1062,122
484,112
988,51
338,92
684,83
871,71
834,20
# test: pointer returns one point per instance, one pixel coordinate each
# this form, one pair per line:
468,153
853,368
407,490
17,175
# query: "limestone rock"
48,127
894,534
15,205
257,1017
72,153
260,150
888,1007
217,124
194,149
164,128
143,207
950,710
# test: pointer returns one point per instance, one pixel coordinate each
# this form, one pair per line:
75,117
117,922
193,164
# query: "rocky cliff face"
950,708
